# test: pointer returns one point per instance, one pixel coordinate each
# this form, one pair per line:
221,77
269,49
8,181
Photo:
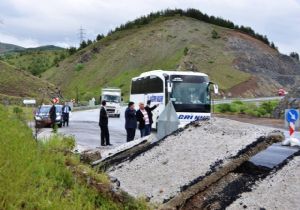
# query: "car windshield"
111,98
46,109
190,91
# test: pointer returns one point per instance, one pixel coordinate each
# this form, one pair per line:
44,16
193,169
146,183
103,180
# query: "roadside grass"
46,175
263,109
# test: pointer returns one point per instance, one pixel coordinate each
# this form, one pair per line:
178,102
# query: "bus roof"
161,72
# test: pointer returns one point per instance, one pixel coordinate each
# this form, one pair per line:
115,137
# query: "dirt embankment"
270,70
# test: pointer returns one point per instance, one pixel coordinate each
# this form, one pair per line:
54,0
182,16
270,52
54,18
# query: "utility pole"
81,34
1,22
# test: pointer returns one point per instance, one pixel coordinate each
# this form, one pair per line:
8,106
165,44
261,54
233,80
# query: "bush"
238,102
223,108
79,66
214,34
185,51
19,113
253,113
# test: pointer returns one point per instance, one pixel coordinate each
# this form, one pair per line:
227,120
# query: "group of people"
141,119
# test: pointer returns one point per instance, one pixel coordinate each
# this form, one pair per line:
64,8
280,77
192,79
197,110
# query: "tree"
89,42
83,44
295,55
72,50
99,37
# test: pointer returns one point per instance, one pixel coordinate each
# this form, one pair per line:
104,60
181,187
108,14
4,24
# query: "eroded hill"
240,64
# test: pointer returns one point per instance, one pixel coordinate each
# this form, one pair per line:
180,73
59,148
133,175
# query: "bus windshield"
190,93
112,98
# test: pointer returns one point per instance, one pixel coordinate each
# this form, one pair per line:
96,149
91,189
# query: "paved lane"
84,127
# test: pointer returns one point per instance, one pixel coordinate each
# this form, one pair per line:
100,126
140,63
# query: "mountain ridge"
181,43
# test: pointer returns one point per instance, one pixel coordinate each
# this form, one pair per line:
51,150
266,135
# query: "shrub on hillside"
79,66
214,34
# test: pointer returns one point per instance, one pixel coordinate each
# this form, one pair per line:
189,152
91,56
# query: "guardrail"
228,101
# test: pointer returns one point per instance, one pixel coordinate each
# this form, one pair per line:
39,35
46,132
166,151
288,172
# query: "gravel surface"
280,190
160,172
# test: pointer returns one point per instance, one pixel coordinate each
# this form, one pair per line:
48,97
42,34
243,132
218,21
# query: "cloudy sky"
31,23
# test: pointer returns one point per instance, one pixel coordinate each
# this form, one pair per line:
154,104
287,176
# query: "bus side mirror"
216,89
170,87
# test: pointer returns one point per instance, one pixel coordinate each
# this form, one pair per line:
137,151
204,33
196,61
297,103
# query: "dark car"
42,118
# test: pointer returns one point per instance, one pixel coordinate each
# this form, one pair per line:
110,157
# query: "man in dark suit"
103,123
65,114
130,121
52,115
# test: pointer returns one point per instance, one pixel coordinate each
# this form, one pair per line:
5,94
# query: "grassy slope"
35,176
33,58
159,45
19,83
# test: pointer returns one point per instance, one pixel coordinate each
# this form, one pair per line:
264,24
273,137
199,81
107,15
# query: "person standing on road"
149,111
130,121
142,117
52,115
103,123
65,114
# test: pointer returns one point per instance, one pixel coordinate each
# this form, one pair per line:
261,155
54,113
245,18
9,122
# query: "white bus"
188,91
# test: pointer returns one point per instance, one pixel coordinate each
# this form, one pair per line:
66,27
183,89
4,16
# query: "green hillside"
166,43
17,84
35,60
241,61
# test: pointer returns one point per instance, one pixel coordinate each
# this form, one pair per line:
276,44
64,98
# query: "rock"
276,135
90,156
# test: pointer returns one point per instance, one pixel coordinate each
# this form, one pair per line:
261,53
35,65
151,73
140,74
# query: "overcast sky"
32,23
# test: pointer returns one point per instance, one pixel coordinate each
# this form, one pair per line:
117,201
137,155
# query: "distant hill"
5,48
45,48
17,84
11,48
241,64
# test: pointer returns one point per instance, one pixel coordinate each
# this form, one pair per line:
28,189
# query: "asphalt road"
84,127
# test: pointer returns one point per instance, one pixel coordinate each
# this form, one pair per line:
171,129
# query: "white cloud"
57,21
10,39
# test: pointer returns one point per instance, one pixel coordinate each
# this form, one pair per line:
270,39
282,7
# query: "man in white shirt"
143,119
